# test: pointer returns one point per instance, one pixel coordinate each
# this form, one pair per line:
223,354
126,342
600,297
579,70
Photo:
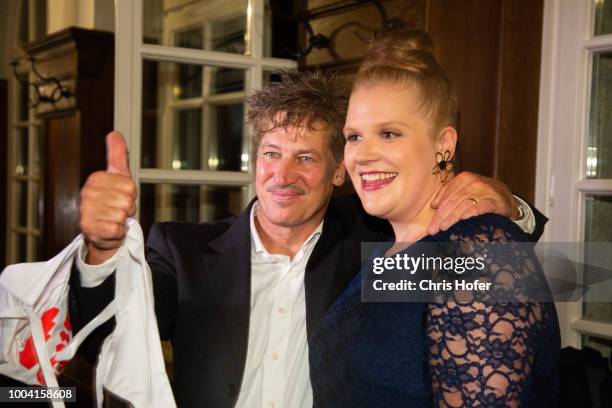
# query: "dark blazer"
202,279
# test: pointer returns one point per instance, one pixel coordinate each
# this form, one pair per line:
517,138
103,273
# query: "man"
239,298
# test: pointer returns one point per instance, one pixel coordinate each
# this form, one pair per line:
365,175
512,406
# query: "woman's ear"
339,175
447,140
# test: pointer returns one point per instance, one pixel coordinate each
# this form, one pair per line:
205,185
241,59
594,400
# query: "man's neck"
285,240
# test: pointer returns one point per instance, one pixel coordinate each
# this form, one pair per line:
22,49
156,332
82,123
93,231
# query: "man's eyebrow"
270,145
307,151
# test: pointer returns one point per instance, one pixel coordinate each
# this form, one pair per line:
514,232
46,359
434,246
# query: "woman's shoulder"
485,228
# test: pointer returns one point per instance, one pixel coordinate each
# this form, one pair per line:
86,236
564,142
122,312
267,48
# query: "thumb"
117,154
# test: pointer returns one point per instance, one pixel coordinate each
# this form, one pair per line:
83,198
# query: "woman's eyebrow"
392,123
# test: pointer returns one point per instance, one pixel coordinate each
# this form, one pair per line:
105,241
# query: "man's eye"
387,134
352,138
271,155
305,159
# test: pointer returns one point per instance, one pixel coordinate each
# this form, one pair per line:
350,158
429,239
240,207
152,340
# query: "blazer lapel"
325,276
229,277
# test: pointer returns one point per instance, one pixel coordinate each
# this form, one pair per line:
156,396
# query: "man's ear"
447,140
339,175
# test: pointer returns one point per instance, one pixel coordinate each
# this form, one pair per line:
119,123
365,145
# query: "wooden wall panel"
519,95
466,34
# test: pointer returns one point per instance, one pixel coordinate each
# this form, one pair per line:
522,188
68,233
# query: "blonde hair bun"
406,57
410,50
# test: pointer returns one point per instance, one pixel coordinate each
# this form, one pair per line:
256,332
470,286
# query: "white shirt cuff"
93,275
527,223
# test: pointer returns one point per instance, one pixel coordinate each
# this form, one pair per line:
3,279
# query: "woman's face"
389,151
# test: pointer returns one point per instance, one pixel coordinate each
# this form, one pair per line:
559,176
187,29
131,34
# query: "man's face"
295,176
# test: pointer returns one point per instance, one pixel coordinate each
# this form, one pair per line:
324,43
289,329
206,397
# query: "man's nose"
285,172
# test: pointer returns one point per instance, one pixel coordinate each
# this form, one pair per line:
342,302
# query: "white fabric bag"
33,305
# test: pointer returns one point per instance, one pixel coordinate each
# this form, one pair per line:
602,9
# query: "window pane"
24,27
195,127
280,39
188,81
21,151
217,25
186,139
36,151
21,203
225,148
224,80
599,150
271,76
192,203
34,205
598,218
603,17
21,254
24,98
149,129
33,248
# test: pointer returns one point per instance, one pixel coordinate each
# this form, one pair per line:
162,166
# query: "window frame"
568,46
30,231
130,52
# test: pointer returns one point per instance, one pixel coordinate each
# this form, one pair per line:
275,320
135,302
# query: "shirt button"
282,310
232,390
274,356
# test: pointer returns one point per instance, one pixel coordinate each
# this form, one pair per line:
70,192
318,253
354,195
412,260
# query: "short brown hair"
300,99
406,57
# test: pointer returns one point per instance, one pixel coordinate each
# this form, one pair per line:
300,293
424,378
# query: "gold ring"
474,201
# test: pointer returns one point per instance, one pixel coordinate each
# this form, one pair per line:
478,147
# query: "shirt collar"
258,246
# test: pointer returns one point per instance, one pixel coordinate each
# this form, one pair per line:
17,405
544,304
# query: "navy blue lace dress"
475,354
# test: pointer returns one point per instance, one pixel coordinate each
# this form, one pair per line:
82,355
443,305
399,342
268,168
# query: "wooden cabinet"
3,170
74,128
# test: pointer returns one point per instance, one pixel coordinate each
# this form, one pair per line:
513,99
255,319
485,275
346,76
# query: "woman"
400,140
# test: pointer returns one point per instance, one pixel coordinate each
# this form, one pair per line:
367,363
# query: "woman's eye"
389,134
352,138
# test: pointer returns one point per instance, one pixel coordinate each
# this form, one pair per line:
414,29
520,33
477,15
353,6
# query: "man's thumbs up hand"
108,199
117,154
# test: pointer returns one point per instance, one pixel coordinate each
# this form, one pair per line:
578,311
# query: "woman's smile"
375,180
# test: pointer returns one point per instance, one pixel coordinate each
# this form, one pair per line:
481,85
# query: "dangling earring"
443,165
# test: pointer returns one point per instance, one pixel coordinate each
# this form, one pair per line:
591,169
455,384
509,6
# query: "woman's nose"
367,151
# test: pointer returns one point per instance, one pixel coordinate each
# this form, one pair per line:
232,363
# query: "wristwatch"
520,212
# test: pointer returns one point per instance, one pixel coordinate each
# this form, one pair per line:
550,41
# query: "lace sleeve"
482,353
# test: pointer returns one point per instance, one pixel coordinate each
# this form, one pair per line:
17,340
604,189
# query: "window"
574,176
24,152
183,71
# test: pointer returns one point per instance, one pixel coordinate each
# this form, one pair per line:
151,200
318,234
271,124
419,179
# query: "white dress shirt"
277,372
